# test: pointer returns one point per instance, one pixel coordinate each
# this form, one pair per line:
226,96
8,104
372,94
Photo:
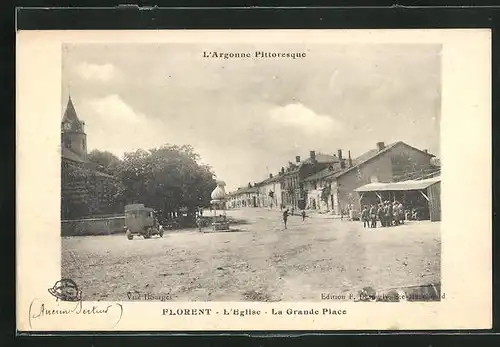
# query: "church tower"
73,135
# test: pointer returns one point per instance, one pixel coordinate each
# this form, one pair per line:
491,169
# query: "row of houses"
328,182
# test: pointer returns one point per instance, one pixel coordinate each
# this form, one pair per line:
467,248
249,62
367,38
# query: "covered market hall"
423,196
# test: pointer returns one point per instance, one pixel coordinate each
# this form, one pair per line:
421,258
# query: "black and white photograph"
253,180
251,172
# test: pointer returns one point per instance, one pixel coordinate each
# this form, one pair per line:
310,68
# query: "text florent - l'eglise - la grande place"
252,312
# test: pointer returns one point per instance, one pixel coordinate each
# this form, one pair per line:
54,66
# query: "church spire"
70,113
70,120
73,137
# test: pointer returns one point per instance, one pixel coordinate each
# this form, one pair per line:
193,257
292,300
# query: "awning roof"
399,186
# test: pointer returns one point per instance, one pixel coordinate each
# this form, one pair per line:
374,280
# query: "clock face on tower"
67,126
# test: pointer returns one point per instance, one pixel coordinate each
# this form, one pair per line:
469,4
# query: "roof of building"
70,113
244,190
322,174
252,189
82,165
291,172
294,168
374,153
367,155
358,161
68,154
322,159
70,117
268,180
399,186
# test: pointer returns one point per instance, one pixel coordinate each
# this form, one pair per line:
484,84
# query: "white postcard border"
466,192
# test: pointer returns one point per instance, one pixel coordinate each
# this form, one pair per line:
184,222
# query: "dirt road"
261,262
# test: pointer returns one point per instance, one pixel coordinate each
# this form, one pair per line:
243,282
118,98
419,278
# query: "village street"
259,262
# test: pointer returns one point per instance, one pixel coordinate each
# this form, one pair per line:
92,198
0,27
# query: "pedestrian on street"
395,212
285,217
408,213
303,215
364,217
388,214
373,216
199,222
381,214
401,212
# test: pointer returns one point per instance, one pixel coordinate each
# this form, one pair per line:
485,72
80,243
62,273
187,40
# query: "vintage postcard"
254,180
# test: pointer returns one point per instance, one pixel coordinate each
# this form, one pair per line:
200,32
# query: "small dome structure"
219,199
219,193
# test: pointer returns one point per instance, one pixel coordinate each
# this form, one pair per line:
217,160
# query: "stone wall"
93,226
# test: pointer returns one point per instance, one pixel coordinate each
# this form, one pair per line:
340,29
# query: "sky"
249,117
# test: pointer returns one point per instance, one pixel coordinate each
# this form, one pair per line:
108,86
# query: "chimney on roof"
297,159
380,146
340,154
342,163
312,155
282,170
349,159
426,151
270,175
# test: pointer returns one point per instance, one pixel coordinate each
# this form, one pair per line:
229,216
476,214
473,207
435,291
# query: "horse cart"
141,221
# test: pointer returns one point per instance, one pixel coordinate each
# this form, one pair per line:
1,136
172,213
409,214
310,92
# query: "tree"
167,179
107,162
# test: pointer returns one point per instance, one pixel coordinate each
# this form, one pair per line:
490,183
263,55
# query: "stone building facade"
270,192
244,197
293,192
327,182
381,164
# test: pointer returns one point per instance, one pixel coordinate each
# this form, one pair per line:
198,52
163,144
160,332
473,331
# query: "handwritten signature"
38,309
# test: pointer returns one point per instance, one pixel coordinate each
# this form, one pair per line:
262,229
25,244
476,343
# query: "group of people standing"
388,213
